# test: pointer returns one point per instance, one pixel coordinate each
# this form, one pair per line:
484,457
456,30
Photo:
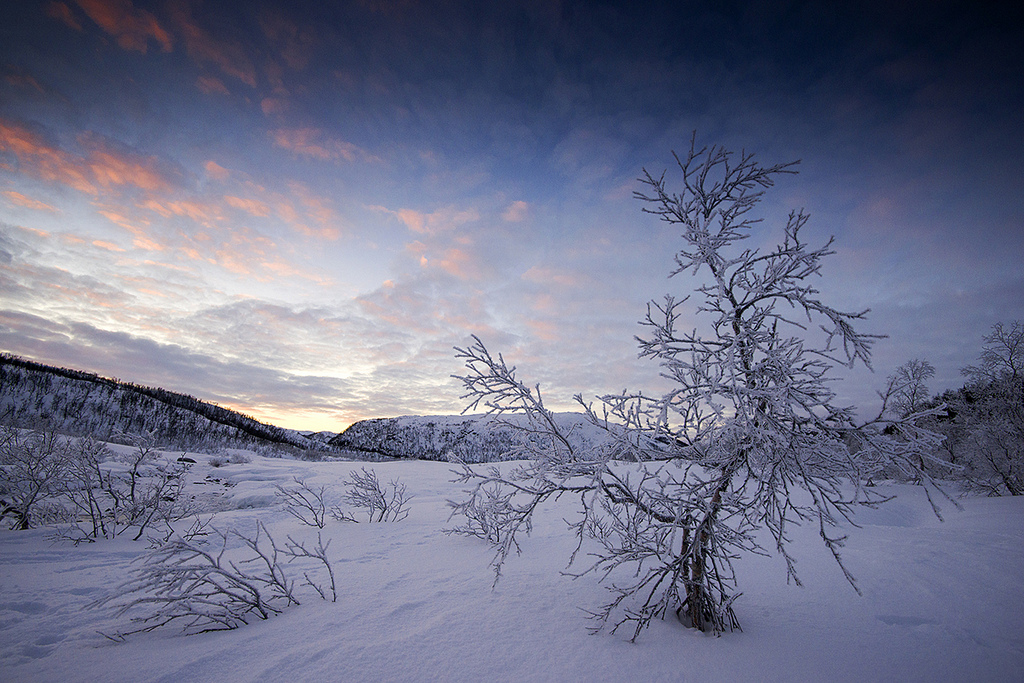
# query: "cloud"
227,55
551,276
132,28
516,212
116,167
44,161
295,43
443,220
101,166
315,143
135,225
252,207
211,84
216,171
273,105
462,263
20,78
300,209
109,246
207,214
319,210
61,12
29,203
230,382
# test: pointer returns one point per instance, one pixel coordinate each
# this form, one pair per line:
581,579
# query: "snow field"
942,601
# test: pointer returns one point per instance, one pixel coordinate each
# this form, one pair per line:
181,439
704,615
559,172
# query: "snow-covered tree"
987,425
31,470
678,491
908,387
1002,357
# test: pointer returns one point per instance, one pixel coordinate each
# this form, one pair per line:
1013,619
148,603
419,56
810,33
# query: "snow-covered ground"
942,601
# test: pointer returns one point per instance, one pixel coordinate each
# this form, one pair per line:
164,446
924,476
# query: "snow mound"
941,601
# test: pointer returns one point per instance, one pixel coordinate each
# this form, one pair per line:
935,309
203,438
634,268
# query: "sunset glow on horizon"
297,209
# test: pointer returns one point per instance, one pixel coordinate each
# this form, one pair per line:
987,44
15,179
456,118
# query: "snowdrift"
942,601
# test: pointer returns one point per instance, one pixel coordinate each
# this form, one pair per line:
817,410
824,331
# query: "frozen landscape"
941,600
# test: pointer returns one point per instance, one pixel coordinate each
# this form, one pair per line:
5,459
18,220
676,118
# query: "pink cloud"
109,246
296,44
549,276
44,161
443,220
459,263
516,212
132,28
18,77
29,203
211,84
112,167
544,329
102,165
205,213
273,105
61,12
318,210
250,206
228,56
216,171
135,226
315,143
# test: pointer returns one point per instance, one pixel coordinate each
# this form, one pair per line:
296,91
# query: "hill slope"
75,402
470,438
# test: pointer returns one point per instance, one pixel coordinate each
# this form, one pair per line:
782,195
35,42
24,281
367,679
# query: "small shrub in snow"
304,502
224,458
489,515
379,503
203,589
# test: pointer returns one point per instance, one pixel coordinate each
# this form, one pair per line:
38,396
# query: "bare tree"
31,469
908,387
104,503
1002,357
751,417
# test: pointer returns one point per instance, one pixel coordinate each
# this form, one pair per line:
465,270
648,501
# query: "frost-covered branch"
304,502
185,582
379,503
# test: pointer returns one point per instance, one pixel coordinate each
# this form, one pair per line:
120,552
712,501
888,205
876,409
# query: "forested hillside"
81,403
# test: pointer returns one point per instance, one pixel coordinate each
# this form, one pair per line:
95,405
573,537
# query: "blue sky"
297,209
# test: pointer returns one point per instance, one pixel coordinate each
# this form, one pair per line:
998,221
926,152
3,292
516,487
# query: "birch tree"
685,479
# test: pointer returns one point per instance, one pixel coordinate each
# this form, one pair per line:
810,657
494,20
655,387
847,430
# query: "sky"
297,209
